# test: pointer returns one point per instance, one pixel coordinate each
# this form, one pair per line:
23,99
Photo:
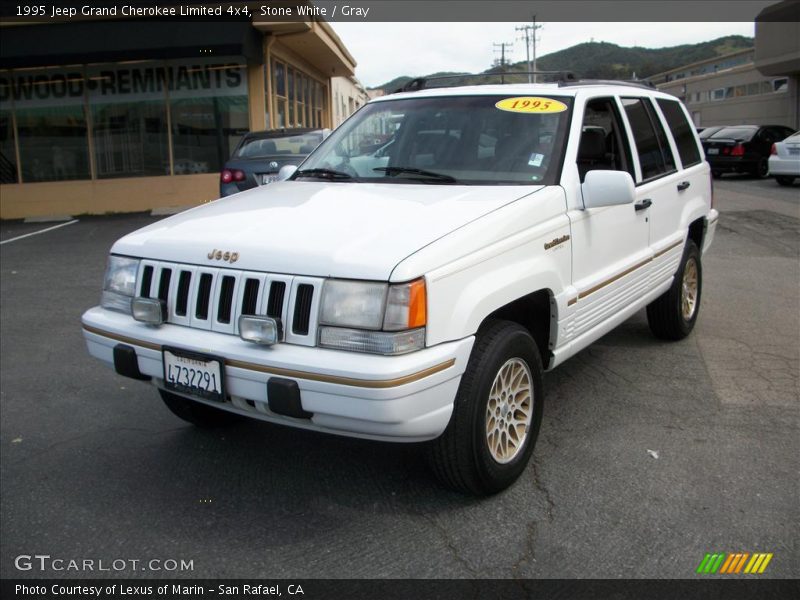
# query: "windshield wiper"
423,174
325,173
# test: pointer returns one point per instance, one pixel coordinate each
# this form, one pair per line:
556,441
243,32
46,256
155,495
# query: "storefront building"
117,116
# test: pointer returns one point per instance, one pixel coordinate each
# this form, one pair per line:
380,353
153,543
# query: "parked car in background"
260,155
742,148
784,159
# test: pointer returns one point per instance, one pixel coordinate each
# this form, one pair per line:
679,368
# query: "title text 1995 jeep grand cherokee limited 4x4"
422,267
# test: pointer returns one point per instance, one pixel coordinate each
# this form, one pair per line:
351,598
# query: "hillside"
602,60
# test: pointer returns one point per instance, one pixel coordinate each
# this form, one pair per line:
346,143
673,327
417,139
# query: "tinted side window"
654,154
682,132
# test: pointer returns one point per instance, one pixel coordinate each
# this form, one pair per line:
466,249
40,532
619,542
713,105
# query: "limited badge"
531,104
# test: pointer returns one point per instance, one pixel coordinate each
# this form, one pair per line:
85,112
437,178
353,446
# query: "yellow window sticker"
531,104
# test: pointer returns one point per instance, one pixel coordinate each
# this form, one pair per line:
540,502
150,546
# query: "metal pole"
534,48
527,30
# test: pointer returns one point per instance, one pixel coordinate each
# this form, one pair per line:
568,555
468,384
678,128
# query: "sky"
384,51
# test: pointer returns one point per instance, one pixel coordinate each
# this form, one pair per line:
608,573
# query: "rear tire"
197,413
672,315
784,180
496,414
761,169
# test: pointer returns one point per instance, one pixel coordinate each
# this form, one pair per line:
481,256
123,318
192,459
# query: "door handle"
642,204
683,185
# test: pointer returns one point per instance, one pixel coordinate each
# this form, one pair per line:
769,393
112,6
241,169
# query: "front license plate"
713,150
265,179
192,373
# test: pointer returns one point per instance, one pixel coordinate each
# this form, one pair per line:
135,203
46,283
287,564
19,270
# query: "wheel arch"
536,312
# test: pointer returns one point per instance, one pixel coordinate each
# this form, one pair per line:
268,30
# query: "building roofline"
701,62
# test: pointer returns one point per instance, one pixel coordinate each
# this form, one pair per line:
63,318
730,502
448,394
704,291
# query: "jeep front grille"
213,299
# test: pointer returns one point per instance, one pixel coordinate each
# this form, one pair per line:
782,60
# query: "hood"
348,230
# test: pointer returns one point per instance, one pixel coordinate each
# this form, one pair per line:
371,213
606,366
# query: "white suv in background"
421,269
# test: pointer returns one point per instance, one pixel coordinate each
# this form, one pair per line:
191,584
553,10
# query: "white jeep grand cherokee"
421,269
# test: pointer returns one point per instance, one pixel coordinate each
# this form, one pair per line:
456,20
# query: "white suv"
421,269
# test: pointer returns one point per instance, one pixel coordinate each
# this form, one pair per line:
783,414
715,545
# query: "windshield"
445,140
296,145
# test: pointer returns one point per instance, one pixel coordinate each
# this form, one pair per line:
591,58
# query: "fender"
516,250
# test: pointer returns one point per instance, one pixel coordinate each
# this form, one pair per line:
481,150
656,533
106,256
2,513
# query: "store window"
208,110
319,103
297,98
51,123
129,120
279,93
8,154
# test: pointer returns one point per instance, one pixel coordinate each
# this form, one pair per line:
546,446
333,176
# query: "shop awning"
112,41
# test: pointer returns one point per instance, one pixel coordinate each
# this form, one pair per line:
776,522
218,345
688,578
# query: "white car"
784,159
417,292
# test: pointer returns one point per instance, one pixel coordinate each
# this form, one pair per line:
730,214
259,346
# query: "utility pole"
527,29
534,28
502,47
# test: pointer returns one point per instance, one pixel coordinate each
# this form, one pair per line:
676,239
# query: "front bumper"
405,398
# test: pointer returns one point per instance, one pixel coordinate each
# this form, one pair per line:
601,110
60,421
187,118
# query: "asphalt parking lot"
95,467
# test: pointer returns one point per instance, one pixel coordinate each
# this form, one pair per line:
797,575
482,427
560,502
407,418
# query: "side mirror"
607,188
286,171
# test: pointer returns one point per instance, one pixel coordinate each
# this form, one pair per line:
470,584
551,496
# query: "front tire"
784,180
496,414
196,413
672,315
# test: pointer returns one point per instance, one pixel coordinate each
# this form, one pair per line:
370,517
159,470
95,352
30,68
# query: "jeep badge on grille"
225,255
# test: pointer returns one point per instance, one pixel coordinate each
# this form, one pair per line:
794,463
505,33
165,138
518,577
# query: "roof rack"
639,83
421,83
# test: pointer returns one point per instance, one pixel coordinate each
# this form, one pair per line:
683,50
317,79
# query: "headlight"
119,285
353,304
373,317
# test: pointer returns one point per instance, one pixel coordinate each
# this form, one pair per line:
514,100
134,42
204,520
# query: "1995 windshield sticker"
531,104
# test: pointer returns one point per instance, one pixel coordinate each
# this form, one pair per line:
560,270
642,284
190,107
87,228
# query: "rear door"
658,178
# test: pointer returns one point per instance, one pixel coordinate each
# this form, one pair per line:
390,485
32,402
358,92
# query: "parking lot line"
19,237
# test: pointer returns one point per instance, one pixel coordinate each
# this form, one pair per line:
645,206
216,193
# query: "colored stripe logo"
734,563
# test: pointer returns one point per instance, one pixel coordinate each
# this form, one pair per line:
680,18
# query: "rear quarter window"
682,132
655,156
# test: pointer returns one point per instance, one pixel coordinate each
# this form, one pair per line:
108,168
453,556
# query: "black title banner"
373,11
